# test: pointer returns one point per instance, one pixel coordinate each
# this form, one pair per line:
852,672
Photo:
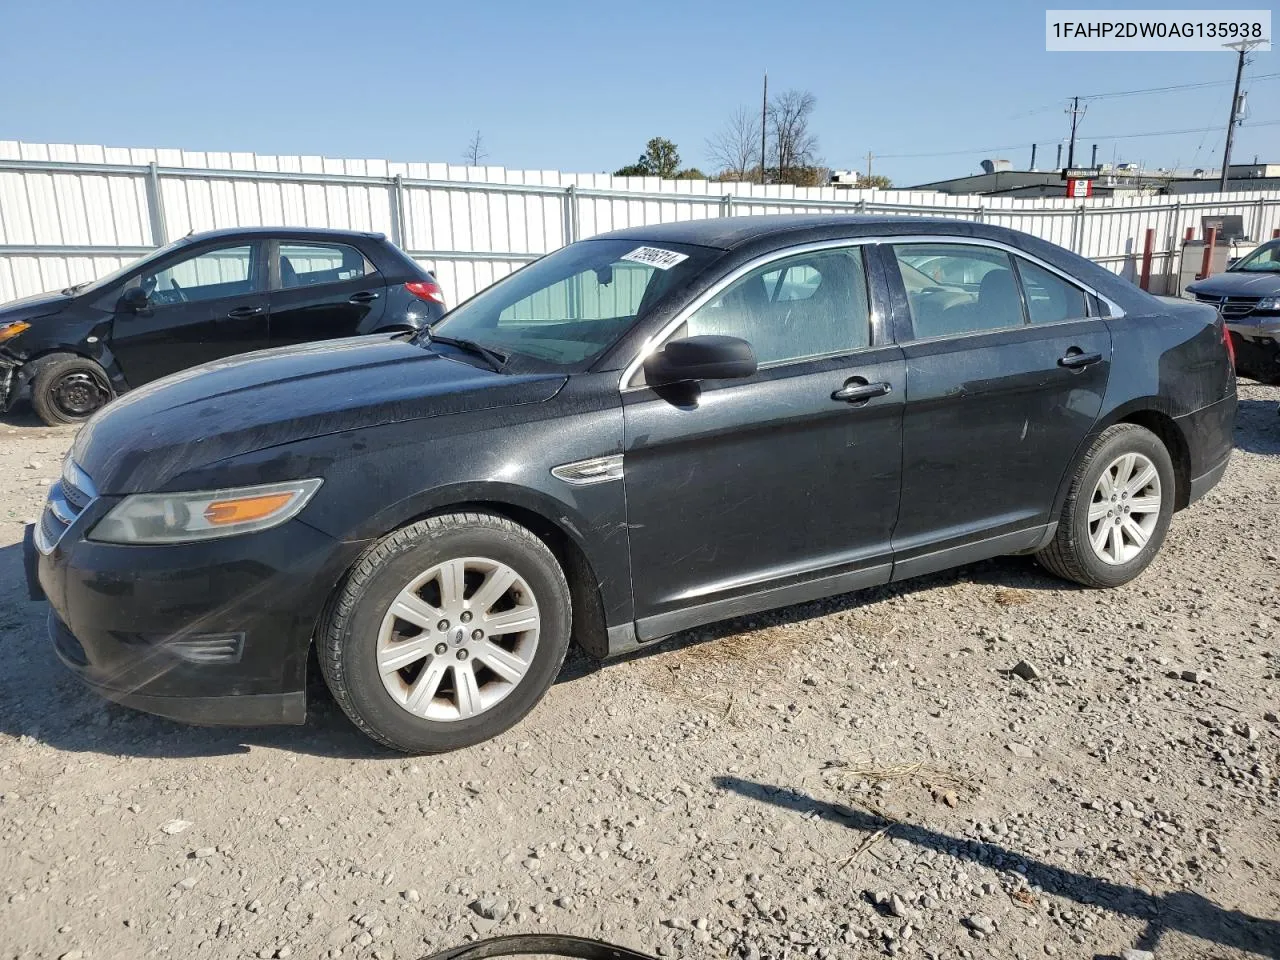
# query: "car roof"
316,233
726,233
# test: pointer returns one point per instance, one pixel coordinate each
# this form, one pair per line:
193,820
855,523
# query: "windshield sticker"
656,257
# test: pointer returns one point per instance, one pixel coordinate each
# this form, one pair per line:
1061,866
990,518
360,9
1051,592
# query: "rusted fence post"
1148,247
1206,265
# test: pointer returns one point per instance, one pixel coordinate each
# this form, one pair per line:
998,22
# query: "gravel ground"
863,776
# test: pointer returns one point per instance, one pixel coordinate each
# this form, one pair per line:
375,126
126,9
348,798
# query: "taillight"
426,290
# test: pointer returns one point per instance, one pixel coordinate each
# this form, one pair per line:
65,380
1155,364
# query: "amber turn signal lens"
12,330
243,509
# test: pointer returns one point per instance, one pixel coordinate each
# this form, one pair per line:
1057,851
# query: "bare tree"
476,153
735,148
794,145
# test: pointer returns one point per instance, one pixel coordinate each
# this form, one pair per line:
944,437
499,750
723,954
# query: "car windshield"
1266,259
129,267
569,307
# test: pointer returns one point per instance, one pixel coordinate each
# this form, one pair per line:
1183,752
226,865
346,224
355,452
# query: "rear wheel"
68,389
1117,510
447,632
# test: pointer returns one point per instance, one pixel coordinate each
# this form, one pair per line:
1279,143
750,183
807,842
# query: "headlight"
202,515
1266,303
10,330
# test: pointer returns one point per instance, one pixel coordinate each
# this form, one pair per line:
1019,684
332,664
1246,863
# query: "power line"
1100,137
1176,86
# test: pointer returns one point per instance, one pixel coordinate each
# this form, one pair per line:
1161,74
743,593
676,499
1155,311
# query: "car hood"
1238,283
28,308
259,400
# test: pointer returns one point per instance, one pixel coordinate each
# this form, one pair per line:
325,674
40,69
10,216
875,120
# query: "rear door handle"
1077,360
239,313
859,391
364,296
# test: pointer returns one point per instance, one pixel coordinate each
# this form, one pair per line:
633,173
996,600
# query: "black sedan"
637,434
205,297
1248,296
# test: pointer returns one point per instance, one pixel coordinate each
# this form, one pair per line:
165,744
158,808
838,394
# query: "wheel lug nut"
441,648
462,654
442,625
466,616
477,634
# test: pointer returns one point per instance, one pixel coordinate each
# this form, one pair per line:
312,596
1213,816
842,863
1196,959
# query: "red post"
1189,235
1148,247
1206,265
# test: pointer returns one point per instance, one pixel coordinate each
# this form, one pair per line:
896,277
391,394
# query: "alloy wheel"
1124,509
458,639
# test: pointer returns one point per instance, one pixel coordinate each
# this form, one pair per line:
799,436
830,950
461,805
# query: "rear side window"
311,264
808,305
1050,299
956,288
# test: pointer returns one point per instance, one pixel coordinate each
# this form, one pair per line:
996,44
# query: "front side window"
1050,299
955,288
209,275
572,305
311,264
808,305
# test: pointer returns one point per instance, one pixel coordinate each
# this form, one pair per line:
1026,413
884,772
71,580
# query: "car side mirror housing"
700,358
135,299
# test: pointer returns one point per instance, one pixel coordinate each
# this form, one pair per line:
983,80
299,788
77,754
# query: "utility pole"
1094,161
870,156
1243,47
1033,157
764,123
1076,114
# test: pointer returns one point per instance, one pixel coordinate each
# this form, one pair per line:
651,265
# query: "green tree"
661,158
878,180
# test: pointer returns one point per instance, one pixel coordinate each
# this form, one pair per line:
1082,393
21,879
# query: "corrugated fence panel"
73,212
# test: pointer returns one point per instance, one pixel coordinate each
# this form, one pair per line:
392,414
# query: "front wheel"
1117,510
447,632
66,388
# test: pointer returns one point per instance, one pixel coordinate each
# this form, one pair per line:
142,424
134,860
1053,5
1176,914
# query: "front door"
780,487
1006,371
321,291
206,305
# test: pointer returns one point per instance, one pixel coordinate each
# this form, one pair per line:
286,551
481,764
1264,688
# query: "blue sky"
580,86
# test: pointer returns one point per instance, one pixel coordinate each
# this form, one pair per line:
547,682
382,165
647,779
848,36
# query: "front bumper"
215,632
1256,345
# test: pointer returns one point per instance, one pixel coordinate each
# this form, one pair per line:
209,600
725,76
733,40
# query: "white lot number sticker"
656,257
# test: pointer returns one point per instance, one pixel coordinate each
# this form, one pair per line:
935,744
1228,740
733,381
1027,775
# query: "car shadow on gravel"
1258,427
1178,910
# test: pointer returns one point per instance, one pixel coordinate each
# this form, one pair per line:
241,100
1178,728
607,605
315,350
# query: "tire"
66,388
1072,554
359,627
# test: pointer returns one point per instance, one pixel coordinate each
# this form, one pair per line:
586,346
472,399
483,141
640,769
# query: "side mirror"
135,299
700,358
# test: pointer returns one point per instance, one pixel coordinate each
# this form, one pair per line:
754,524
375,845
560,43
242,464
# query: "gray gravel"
983,763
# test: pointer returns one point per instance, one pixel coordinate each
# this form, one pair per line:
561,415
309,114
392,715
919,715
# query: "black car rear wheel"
446,633
68,389
1117,510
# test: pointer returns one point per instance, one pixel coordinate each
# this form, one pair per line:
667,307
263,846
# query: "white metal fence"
70,213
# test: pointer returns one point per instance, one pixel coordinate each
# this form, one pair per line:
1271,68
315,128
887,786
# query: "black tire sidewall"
48,372
370,698
1131,440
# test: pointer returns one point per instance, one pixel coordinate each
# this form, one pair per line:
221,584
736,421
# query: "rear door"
1006,370
321,290
208,304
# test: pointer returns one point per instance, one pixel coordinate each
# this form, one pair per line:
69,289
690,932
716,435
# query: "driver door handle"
364,296
1075,360
859,391
239,313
